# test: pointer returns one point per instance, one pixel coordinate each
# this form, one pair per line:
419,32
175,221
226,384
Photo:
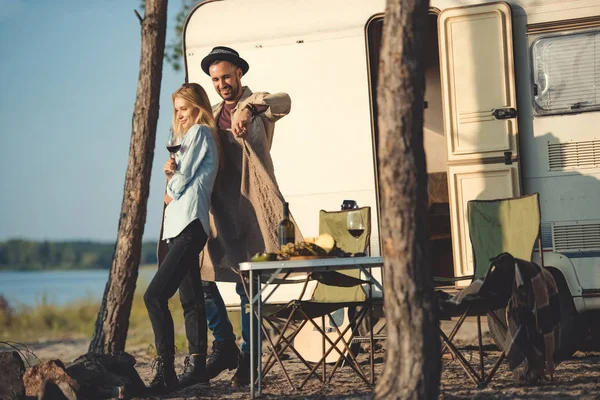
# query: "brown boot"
224,356
242,374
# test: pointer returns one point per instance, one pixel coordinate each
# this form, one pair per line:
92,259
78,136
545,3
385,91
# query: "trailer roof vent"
576,237
574,155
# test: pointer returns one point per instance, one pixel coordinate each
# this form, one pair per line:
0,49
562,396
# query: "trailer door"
480,109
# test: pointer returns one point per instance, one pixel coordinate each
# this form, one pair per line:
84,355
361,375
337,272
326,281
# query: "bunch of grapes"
301,249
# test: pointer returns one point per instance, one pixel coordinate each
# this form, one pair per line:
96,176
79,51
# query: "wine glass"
356,224
173,143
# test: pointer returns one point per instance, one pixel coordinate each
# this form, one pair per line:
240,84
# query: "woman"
190,179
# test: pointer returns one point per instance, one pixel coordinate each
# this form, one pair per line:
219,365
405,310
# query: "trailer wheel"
591,331
569,321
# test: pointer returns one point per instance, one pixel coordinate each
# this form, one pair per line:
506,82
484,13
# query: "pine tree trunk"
113,318
412,362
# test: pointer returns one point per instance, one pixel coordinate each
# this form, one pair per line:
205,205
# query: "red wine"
174,149
356,232
286,232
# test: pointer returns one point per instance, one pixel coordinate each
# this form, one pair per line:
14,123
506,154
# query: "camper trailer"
512,106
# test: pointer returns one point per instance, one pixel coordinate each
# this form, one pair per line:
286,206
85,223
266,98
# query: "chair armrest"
333,278
442,279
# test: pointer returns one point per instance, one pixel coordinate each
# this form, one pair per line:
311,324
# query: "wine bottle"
285,229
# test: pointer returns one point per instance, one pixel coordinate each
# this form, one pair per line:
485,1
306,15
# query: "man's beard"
233,92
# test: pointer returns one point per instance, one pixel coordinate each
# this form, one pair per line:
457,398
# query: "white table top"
315,264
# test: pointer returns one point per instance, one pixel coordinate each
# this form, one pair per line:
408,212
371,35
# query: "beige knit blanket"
246,209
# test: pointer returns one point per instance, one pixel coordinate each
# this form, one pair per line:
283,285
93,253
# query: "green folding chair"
333,292
495,227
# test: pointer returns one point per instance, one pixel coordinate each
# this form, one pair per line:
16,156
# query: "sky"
68,79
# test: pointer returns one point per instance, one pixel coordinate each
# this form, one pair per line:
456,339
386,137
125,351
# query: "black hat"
222,53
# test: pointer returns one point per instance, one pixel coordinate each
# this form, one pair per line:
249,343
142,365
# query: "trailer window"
566,73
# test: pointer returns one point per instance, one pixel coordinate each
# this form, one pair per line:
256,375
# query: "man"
243,118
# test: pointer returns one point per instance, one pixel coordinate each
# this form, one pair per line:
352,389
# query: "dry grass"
48,322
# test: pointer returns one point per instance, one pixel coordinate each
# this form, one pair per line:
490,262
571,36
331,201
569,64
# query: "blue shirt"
192,184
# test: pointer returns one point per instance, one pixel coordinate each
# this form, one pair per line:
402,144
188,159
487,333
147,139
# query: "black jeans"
180,269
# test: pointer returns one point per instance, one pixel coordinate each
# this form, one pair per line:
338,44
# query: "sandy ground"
578,378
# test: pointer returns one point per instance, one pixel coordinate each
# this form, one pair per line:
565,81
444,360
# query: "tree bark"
412,362
113,318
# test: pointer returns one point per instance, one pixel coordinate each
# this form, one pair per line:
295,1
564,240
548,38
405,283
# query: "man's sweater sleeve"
279,104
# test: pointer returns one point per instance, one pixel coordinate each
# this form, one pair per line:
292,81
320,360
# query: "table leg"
259,341
323,347
252,338
371,327
370,277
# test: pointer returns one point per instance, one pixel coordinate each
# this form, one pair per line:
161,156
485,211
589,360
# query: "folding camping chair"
495,227
333,291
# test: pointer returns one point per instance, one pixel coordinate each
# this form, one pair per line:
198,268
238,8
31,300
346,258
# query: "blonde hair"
196,96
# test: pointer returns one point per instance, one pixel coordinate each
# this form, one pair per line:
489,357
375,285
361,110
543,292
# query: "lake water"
58,287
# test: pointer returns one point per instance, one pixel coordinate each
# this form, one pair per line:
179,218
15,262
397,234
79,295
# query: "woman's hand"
170,167
168,199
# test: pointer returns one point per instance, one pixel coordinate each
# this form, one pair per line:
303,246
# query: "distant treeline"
30,255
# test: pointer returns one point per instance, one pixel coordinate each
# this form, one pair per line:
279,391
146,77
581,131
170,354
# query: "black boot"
194,371
165,380
224,356
242,374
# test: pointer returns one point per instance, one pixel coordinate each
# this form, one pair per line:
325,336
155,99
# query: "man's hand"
168,199
170,167
239,125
